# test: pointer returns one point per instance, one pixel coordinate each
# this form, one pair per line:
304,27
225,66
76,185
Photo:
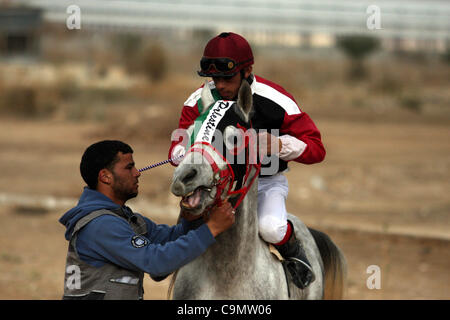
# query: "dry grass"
80,89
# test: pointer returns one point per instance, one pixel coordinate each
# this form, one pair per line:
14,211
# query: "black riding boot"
296,261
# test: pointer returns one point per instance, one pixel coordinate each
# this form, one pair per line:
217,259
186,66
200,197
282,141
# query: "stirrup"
313,275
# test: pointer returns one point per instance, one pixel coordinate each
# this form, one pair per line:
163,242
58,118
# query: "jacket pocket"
124,288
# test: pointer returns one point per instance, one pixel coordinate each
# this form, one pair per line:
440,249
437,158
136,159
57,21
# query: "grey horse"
240,265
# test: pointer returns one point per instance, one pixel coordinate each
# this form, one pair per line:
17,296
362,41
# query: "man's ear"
105,176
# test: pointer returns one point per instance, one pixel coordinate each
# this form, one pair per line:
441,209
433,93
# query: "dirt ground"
381,195
382,192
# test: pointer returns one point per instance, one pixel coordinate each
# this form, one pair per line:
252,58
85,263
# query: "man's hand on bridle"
221,218
218,219
189,216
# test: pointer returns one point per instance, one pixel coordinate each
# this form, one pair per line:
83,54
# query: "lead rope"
160,163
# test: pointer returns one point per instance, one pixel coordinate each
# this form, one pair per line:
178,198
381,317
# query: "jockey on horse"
228,60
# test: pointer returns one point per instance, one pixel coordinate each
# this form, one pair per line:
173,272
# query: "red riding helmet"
225,55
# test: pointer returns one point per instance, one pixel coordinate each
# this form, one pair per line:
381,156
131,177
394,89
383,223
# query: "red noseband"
226,176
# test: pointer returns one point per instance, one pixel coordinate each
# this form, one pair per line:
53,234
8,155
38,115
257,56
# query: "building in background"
20,29
399,24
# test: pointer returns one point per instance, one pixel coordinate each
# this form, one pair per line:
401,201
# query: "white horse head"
216,164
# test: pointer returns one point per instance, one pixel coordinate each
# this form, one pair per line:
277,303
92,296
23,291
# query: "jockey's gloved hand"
268,144
178,151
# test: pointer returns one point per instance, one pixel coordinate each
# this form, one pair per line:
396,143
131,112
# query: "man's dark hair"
98,156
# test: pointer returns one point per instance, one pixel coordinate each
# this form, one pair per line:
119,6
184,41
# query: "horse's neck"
246,225
240,240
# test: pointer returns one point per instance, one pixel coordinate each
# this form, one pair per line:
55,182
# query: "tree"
357,48
154,62
140,55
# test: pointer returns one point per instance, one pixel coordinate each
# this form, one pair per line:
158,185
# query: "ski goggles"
224,67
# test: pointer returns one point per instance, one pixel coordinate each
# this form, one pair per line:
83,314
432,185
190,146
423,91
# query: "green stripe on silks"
199,121
216,97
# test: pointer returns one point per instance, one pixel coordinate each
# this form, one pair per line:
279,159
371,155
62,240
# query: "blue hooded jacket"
108,239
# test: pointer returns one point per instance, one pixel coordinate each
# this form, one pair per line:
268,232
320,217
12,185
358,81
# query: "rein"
160,163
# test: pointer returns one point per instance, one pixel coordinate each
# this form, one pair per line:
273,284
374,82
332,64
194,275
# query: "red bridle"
226,176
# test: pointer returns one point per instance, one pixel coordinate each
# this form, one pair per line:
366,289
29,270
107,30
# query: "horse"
240,265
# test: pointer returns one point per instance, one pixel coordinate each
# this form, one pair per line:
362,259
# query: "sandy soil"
381,195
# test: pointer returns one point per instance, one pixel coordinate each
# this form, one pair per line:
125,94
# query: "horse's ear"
207,98
245,99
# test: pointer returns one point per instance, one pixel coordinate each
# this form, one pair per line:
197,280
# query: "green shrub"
153,62
411,102
357,48
150,60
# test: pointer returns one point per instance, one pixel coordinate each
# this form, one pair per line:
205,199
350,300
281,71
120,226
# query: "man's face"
125,177
228,87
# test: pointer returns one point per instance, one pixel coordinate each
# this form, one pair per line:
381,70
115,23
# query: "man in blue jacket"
110,246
